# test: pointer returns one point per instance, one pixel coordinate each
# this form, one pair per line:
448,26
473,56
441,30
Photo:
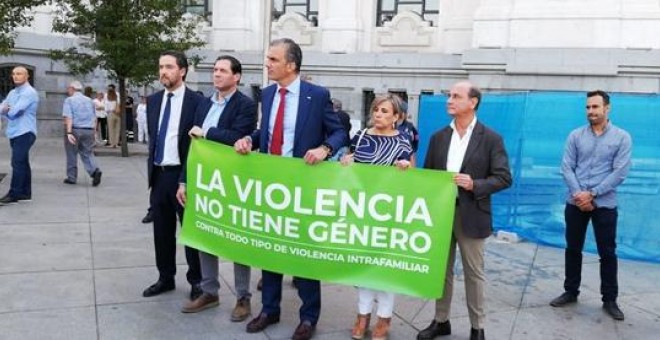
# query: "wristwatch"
327,147
593,193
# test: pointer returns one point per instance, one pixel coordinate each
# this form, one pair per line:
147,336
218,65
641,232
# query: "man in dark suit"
297,121
477,155
224,118
170,115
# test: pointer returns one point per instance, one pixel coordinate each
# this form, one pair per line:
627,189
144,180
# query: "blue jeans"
21,178
604,222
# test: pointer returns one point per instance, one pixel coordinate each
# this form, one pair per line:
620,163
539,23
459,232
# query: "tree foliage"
14,13
123,37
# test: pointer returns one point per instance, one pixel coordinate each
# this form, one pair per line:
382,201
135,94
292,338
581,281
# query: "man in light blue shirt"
20,110
596,160
80,122
223,118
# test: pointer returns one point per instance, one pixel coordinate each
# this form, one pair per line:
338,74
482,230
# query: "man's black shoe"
613,310
434,329
68,181
148,218
477,334
563,300
158,288
195,292
6,200
96,178
24,199
260,323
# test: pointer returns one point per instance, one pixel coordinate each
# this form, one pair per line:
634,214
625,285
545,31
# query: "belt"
83,128
167,168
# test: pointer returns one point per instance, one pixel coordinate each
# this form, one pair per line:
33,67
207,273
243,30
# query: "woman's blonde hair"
394,99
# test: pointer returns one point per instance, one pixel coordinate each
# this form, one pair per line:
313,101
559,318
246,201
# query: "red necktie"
278,130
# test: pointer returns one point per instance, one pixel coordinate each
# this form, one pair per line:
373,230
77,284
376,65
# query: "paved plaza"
74,262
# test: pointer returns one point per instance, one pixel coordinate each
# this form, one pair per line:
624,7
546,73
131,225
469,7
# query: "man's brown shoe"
204,301
304,331
242,310
260,323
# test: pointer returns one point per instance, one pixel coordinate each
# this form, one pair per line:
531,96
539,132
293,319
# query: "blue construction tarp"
534,126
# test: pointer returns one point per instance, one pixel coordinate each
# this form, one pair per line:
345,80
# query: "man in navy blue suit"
170,115
297,121
224,118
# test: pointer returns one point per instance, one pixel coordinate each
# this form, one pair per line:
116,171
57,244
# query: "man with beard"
170,115
596,160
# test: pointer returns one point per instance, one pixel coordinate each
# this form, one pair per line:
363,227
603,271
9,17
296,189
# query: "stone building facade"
361,47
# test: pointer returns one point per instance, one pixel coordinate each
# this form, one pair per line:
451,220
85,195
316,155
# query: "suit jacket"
238,119
487,163
190,102
316,122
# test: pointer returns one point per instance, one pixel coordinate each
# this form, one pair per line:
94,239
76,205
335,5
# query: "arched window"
427,9
6,83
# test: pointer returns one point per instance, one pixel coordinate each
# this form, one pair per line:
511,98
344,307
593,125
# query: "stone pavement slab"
76,259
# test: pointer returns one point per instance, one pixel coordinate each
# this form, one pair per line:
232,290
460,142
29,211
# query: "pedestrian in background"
80,124
112,110
142,130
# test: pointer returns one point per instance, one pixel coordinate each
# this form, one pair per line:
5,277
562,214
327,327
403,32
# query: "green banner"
363,225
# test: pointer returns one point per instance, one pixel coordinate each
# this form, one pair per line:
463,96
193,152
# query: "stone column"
341,25
237,25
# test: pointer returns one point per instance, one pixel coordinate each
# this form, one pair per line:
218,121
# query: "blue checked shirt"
598,163
80,109
22,116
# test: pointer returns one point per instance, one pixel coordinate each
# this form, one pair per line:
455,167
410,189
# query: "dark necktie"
162,131
278,130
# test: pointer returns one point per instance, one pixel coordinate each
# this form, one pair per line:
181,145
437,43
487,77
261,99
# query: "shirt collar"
294,87
178,92
605,129
469,128
22,86
214,97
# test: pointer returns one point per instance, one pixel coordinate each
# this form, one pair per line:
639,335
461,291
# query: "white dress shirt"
290,116
458,146
171,153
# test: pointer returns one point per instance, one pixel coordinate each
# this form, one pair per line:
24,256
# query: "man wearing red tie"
297,121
